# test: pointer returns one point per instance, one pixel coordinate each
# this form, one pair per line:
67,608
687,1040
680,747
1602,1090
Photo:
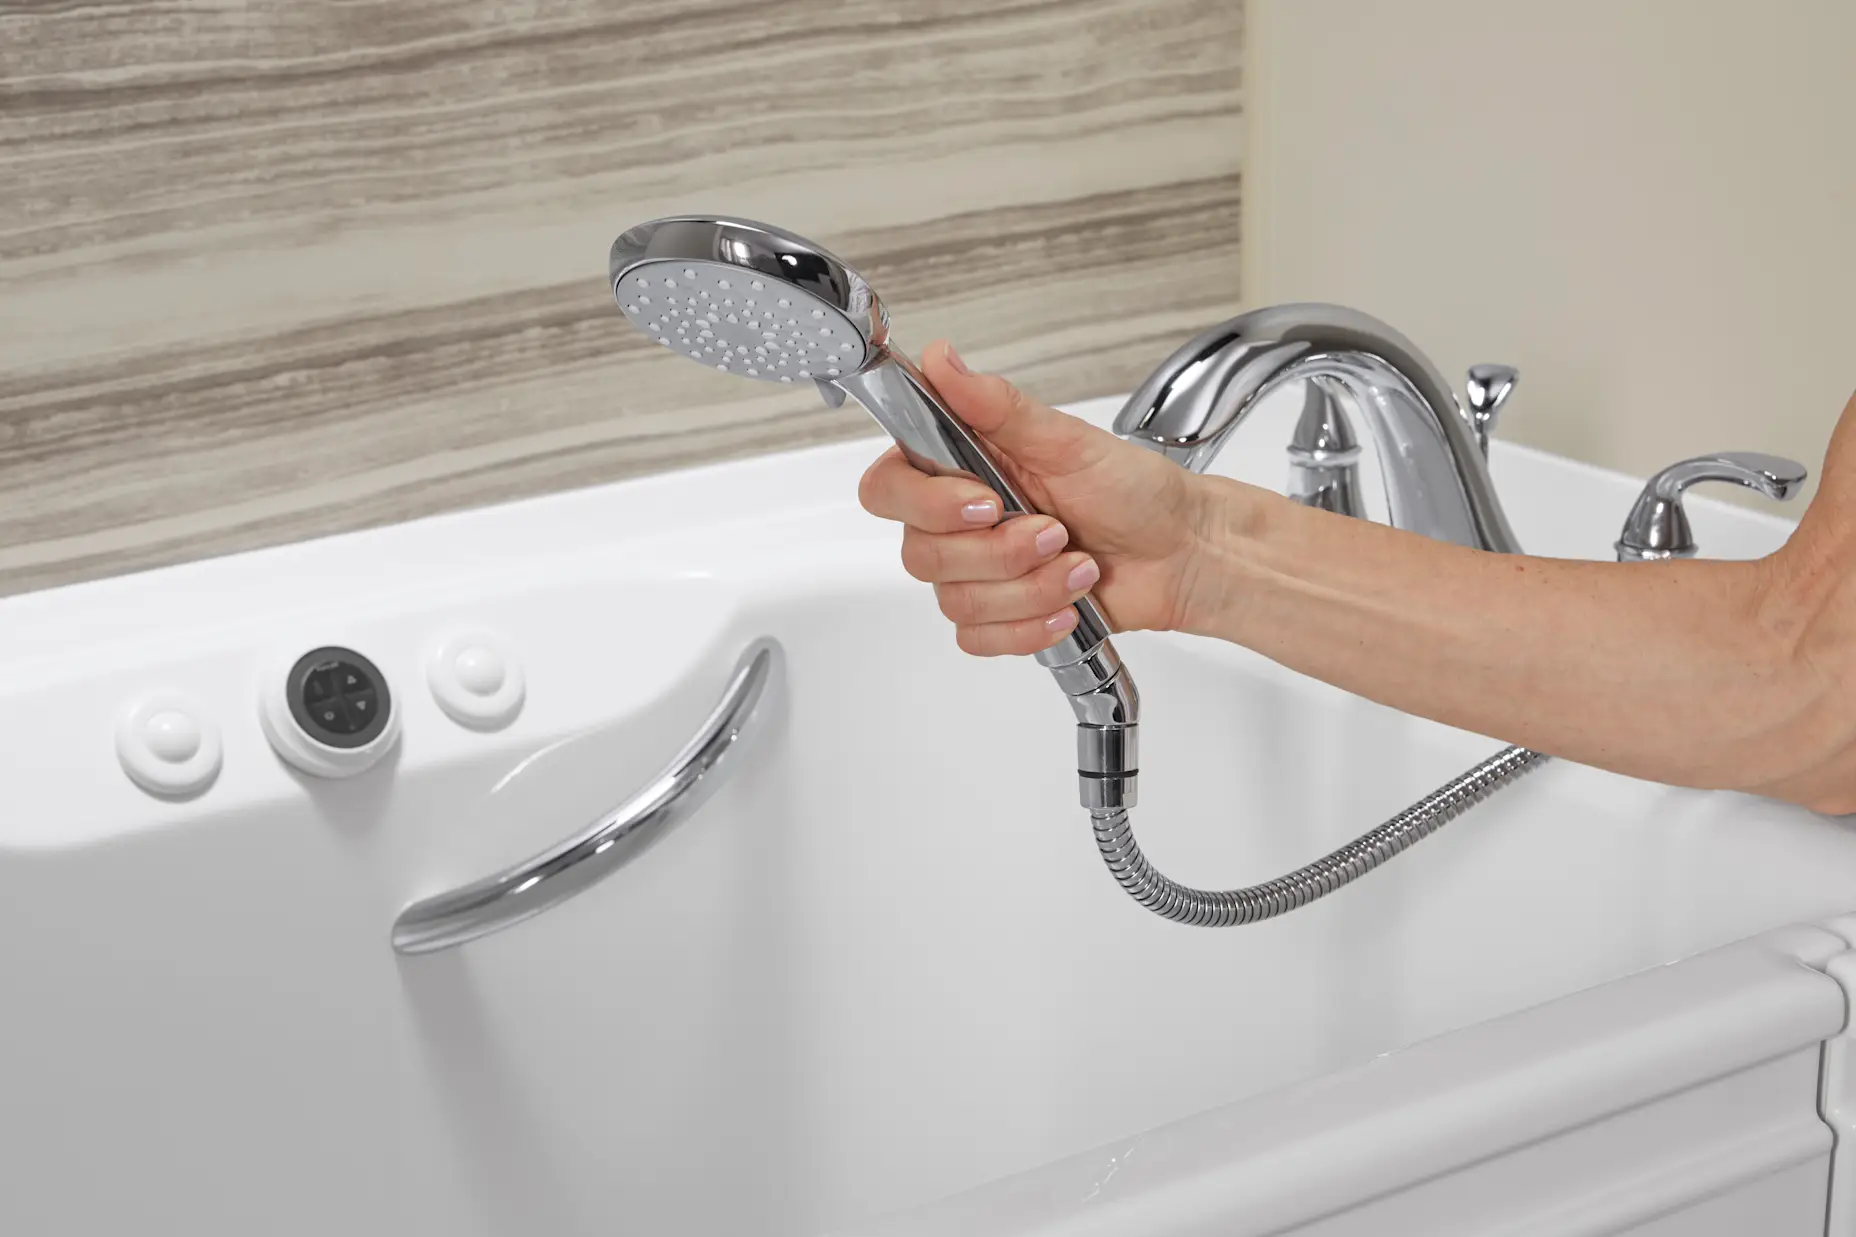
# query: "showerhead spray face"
746,299
755,301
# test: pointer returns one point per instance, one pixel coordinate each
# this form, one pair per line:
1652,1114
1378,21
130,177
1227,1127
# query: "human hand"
1117,520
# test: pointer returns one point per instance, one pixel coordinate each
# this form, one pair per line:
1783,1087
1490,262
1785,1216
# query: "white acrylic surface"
884,965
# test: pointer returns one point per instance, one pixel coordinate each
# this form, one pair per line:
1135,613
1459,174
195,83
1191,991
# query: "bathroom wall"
272,270
1649,207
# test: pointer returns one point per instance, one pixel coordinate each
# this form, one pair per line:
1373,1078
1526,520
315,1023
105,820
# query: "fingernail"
953,359
1061,621
984,512
1051,540
1083,576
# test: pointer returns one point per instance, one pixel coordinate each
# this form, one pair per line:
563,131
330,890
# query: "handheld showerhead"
758,302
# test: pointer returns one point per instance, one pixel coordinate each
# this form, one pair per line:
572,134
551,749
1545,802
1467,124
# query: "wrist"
1230,523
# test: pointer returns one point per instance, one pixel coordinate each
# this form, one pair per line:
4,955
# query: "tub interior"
883,964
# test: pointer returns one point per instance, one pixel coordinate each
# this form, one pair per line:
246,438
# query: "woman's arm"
1736,675
1712,674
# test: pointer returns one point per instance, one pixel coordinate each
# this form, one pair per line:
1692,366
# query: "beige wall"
1647,205
270,269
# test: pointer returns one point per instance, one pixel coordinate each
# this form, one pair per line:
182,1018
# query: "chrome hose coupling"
1107,705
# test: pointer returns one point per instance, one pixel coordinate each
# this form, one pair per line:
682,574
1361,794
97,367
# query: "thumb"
1032,433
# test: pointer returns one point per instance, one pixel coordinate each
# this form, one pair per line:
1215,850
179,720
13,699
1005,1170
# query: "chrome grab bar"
616,838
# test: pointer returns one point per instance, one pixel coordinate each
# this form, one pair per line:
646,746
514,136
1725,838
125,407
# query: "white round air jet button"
168,746
476,680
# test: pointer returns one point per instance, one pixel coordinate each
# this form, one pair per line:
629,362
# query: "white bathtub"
880,983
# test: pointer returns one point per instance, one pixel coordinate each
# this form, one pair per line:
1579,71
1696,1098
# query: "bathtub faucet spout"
1432,455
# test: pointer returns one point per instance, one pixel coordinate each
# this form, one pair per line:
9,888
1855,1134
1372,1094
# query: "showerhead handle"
1084,663
936,441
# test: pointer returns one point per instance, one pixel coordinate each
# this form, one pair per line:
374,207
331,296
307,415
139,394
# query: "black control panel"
338,697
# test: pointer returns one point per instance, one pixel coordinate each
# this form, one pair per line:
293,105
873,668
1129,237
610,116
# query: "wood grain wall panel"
274,270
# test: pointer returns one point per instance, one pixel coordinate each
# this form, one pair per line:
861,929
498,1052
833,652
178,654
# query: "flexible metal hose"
1227,908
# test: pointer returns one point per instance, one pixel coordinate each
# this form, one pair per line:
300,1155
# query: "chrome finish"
1229,908
1110,794
690,282
1324,454
1108,749
1108,720
813,310
1658,528
1488,388
1437,482
1115,703
615,839
1091,674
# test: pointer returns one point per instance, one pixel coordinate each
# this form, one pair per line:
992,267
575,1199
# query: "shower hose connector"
1102,694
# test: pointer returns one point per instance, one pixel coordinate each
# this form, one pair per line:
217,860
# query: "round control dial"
330,713
338,697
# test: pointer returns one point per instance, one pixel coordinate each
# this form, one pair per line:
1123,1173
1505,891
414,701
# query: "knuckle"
876,489
1019,556
922,556
1033,593
1050,588
958,602
1016,400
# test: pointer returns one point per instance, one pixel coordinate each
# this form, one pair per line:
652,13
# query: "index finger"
894,490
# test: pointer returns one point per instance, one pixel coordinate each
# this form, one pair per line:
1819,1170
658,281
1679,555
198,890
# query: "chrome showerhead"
748,299
756,301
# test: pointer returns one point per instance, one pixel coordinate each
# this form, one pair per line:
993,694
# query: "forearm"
1684,672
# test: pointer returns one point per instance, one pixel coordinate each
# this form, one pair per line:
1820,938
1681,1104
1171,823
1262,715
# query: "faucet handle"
1658,527
1324,454
1488,387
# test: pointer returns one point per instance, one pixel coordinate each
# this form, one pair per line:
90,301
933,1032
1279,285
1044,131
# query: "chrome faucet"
1432,453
